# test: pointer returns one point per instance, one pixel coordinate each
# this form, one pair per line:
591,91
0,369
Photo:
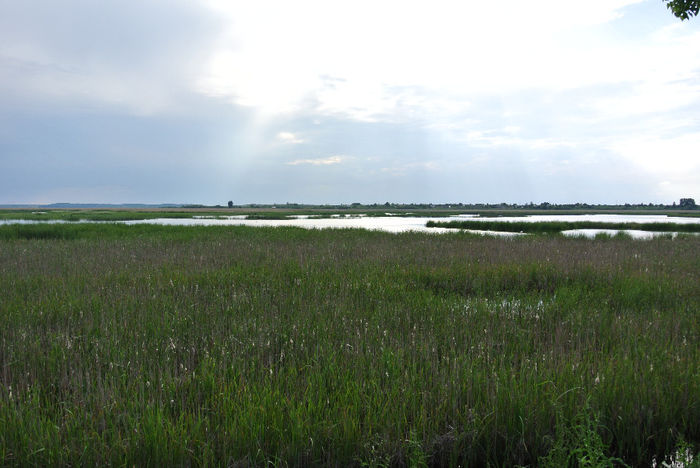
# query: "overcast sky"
206,101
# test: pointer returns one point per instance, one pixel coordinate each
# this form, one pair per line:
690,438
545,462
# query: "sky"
206,101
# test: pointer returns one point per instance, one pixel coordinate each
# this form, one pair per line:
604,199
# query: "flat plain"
162,345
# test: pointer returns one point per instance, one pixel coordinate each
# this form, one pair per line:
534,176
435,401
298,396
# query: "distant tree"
684,9
687,203
230,204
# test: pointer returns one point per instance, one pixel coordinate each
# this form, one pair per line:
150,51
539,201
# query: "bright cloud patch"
360,59
319,161
288,137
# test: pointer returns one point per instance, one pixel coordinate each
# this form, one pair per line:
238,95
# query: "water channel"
396,223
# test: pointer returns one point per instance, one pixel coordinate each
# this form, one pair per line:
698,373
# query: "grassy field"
155,345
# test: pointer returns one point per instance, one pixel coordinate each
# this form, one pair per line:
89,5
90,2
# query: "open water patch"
397,224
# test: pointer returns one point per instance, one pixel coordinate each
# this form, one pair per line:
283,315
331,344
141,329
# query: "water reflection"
633,233
393,222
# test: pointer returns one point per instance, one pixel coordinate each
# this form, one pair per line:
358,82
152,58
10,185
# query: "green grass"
551,227
156,345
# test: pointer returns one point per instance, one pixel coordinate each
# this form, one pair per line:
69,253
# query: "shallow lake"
380,223
396,223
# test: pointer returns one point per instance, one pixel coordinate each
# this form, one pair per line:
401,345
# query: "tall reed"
155,345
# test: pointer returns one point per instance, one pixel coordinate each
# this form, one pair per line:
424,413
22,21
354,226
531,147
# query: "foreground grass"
156,345
550,227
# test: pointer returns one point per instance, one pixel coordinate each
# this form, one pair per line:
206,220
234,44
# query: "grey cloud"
139,54
149,159
119,33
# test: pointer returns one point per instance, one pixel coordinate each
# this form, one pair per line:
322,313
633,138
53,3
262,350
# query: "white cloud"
662,155
279,62
505,138
318,161
672,161
289,137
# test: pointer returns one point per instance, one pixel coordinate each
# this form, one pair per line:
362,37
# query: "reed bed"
551,227
154,345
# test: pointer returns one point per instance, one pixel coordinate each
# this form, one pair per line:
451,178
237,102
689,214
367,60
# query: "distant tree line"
685,203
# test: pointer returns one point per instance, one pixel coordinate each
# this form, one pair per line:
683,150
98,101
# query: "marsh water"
380,223
397,223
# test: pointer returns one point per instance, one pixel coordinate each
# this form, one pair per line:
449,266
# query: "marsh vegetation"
551,227
161,345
